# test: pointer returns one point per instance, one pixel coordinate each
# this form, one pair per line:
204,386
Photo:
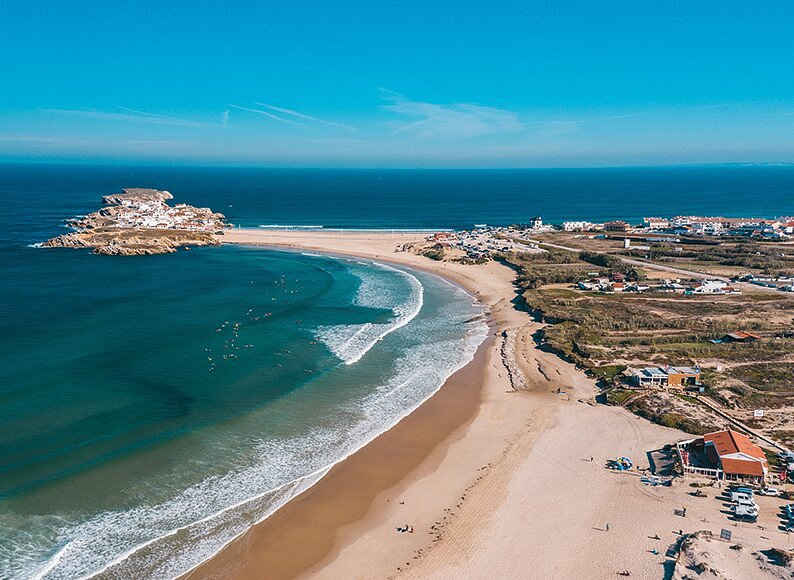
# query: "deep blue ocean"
152,408
369,198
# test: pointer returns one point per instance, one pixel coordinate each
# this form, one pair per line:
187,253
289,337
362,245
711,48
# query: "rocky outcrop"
137,195
139,222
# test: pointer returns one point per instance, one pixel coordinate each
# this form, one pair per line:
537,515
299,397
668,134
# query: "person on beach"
606,527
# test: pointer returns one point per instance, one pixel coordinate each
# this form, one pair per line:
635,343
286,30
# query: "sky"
398,84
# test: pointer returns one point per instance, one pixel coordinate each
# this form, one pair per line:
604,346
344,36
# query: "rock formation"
140,222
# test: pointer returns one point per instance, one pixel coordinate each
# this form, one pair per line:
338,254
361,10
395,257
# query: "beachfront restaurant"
667,376
724,455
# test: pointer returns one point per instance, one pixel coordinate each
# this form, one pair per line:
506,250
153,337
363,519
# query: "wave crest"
350,342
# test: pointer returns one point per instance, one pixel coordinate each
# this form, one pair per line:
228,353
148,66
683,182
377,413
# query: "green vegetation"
767,376
553,267
619,396
606,332
434,253
751,255
607,372
595,329
611,263
675,419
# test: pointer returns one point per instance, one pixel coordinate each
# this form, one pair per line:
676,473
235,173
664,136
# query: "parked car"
770,491
746,512
789,509
749,502
742,497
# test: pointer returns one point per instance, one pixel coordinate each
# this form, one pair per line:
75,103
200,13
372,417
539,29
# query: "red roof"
742,467
743,334
729,441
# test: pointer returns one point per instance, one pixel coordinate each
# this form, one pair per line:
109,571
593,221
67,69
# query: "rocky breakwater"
140,222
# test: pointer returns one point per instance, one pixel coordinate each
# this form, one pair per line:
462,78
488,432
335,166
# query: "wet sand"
302,533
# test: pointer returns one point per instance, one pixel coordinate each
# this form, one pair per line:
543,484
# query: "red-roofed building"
740,336
726,455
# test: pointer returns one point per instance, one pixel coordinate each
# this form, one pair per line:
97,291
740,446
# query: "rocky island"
140,222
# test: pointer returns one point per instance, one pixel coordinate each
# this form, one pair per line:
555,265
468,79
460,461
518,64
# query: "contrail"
305,116
272,116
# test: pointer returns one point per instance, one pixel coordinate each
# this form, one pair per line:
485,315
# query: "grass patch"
618,396
607,372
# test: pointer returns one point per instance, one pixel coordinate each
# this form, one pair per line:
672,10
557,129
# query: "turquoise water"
153,408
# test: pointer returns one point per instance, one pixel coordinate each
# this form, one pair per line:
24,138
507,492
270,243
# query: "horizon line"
245,165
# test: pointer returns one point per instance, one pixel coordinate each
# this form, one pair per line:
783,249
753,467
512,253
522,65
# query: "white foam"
168,539
289,227
350,342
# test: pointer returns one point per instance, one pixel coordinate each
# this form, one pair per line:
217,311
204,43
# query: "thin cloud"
306,117
454,120
647,113
272,116
130,115
44,139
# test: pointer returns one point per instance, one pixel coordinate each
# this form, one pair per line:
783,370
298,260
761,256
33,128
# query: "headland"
140,222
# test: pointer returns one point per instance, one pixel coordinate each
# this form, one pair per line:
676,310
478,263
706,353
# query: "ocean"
153,408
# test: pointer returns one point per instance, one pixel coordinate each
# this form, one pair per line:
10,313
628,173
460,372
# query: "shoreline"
455,407
505,493
383,463
314,518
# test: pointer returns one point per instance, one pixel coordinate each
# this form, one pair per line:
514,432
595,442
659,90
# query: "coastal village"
139,221
699,382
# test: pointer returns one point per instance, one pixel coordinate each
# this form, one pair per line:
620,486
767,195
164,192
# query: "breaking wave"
350,342
164,539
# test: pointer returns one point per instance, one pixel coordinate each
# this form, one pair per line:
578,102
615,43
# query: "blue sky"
410,83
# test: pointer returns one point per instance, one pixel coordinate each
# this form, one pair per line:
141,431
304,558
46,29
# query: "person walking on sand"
607,527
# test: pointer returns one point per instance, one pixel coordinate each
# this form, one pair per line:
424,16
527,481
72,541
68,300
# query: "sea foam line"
351,342
469,356
473,340
298,485
289,227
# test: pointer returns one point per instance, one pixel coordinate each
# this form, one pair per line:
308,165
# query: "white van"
741,493
746,512
746,501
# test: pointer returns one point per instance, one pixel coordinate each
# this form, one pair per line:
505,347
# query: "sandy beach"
495,482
